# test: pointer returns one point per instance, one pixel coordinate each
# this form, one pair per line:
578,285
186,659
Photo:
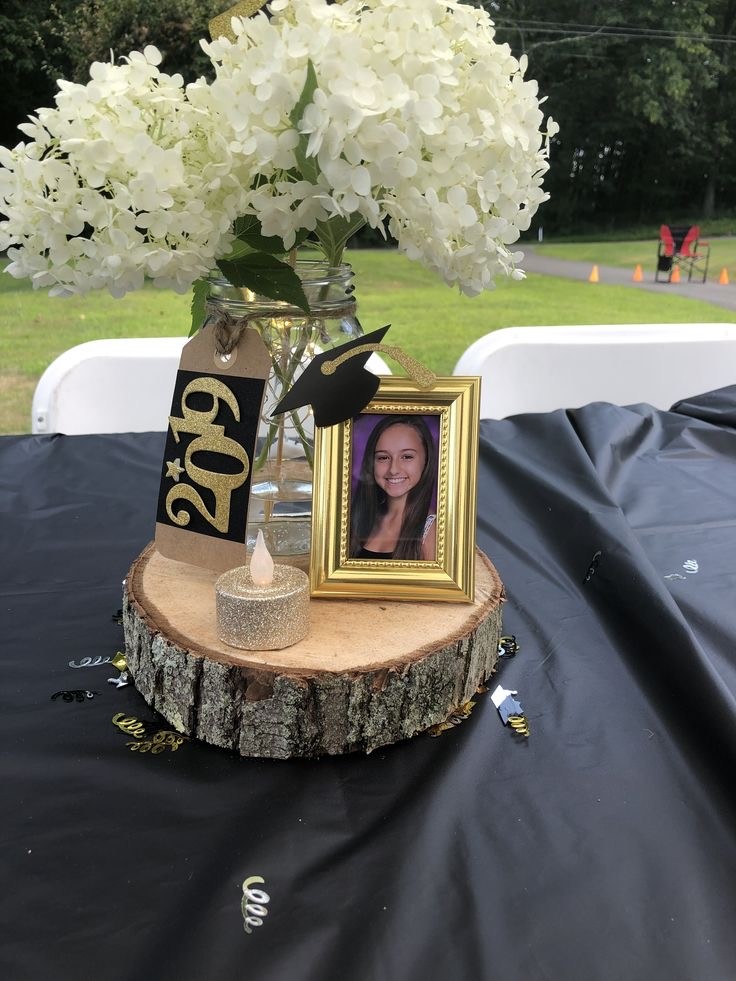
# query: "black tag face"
207,470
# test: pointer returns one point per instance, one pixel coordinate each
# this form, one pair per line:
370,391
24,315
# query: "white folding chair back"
120,385
537,369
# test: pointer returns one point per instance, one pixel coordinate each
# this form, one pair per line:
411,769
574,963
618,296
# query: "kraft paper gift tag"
210,447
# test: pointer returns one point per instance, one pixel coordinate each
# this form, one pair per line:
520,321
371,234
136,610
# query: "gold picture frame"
451,408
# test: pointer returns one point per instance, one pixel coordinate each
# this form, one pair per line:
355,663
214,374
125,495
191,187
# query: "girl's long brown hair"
369,502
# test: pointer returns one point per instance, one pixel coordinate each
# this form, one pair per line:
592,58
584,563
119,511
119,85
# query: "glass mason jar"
281,484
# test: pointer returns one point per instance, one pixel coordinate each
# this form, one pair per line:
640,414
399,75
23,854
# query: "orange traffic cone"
638,274
675,277
723,278
593,278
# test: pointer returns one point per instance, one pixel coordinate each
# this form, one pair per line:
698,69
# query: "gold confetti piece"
167,737
129,725
465,709
455,718
441,727
119,661
160,741
519,724
220,26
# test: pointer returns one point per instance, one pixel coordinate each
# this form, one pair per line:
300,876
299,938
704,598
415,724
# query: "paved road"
711,292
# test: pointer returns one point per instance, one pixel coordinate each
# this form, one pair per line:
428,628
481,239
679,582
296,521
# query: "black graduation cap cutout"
337,383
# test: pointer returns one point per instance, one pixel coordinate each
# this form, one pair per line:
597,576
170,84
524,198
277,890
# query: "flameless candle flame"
261,563
262,606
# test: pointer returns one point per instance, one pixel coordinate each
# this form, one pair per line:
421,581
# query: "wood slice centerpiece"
368,674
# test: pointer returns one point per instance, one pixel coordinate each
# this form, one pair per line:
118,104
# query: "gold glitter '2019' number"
209,437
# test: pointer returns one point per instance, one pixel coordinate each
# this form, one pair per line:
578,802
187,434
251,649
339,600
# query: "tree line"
645,94
44,40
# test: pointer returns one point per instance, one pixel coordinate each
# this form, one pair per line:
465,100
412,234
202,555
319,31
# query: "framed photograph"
394,498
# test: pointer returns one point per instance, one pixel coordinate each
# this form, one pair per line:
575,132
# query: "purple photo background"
363,426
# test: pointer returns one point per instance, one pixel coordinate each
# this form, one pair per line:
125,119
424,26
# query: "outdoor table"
601,846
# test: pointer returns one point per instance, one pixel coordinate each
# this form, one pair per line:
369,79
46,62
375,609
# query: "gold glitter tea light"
262,607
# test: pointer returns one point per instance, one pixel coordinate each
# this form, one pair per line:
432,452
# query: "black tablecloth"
601,847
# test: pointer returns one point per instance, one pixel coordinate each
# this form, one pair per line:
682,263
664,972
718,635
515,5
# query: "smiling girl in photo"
391,515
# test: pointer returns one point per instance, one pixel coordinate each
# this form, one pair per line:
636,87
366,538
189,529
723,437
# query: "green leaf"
307,96
334,233
199,295
308,166
267,275
250,238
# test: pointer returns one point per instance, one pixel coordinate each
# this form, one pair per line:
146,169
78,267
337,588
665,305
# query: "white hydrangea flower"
124,180
419,118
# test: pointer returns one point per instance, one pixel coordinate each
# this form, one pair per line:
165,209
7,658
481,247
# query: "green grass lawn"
431,322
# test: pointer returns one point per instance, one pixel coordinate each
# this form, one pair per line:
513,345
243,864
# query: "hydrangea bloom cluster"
418,116
413,114
125,179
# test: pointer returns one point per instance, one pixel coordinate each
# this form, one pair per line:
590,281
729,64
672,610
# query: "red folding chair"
681,247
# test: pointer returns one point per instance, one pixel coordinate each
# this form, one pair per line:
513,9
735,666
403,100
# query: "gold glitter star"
174,468
220,25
